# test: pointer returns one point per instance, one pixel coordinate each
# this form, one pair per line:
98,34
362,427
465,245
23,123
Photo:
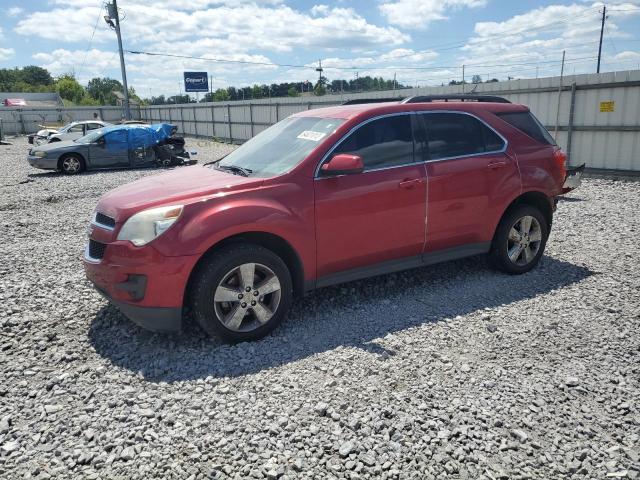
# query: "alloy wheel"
247,297
524,241
71,165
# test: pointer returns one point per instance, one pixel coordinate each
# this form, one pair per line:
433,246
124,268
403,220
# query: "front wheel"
71,164
241,292
519,241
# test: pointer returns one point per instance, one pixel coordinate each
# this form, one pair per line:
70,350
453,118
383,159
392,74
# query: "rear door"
112,150
378,215
471,179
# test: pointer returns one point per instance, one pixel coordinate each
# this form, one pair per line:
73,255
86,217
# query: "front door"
378,215
111,150
470,180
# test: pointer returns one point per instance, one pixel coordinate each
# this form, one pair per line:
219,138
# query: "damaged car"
116,146
71,131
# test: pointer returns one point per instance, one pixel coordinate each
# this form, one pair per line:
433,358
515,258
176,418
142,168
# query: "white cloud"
420,13
61,61
266,25
14,11
6,53
538,38
65,24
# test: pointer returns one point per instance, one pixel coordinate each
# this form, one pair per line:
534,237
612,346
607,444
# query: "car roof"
371,109
135,126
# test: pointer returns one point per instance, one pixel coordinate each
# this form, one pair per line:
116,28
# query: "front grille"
96,249
105,220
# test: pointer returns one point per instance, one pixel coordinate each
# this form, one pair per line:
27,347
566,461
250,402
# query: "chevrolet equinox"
323,197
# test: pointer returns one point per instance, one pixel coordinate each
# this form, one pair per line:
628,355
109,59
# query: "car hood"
178,186
49,147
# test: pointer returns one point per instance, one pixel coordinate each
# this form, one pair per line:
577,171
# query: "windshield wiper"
245,172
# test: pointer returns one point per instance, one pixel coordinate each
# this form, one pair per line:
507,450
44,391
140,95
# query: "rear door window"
527,123
455,135
381,143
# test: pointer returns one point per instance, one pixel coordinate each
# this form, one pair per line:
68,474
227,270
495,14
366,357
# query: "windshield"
281,147
66,128
90,137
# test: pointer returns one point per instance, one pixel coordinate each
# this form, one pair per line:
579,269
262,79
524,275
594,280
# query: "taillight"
560,158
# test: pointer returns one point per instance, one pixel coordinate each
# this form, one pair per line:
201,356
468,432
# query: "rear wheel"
520,239
71,164
241,292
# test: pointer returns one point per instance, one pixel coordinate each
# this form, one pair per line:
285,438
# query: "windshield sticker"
311,135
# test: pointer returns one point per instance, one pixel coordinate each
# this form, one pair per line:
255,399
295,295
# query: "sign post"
196,82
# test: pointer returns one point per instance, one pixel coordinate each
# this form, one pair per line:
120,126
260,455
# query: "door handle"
497,164
410,183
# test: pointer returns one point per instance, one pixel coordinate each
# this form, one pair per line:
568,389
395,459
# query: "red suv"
323,197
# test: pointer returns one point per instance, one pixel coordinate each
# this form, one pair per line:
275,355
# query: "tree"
492,80
256,91
476,79
292,92
35,76
102,90
69,89
221,95
320,90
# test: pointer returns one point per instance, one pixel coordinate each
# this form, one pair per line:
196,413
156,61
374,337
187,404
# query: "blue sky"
422,42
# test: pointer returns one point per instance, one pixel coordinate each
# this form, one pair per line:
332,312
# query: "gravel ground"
452,371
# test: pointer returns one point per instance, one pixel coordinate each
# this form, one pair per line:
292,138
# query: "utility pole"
604,16
356,82
462,78
559,93
394,83
319,70
111,17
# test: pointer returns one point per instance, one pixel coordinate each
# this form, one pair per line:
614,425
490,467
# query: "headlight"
40,154
144,226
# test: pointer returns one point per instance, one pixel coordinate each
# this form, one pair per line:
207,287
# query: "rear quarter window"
528,124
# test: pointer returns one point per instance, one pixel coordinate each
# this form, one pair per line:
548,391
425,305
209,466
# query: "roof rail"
360,101
455,98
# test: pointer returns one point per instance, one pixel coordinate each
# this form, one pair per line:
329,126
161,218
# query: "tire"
220,286
516,249
71,164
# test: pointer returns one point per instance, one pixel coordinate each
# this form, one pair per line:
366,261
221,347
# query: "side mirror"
342,164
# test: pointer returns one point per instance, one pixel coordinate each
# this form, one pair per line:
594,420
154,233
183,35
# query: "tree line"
100,90
34,79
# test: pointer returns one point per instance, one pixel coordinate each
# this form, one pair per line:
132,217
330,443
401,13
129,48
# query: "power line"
86,53
350,67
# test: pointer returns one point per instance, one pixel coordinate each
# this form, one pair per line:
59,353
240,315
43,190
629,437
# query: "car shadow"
153,167
350,315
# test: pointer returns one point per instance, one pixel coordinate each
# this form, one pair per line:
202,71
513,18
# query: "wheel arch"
536,199
270,241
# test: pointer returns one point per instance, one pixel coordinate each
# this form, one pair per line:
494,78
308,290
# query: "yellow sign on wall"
607,106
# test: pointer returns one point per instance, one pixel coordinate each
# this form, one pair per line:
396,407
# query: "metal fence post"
309,106
22,122
213,121
570,126
195,121
229,122
277,112
181,119
251,118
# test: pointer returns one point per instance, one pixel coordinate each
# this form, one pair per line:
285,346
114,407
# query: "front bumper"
145,285
43,163
155,319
